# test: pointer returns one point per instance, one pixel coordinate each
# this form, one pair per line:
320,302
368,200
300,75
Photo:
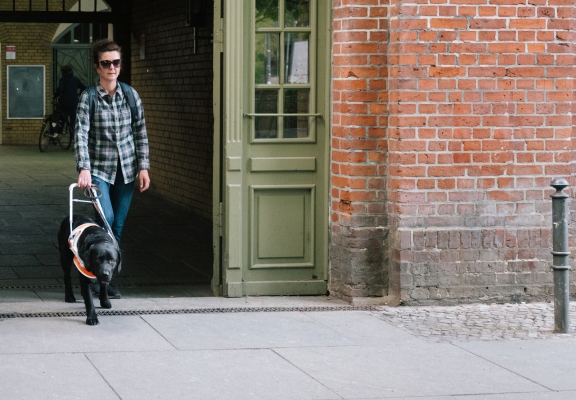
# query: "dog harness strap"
75,235
98,208
73,243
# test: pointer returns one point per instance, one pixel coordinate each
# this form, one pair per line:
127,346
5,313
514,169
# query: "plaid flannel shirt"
109,138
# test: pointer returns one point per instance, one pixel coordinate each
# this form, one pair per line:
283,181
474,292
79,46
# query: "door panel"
261,164
282,166
282,227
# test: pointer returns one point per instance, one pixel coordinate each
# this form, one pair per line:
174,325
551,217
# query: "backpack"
127,89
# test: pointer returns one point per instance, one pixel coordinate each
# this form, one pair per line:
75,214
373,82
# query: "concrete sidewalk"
169,338
251,348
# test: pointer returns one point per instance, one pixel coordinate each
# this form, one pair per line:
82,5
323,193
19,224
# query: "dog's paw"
105,303
70,299
92,321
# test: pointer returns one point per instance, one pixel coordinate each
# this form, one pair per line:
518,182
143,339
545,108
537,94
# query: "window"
283,70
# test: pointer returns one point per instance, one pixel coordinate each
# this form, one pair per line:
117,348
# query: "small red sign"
10,52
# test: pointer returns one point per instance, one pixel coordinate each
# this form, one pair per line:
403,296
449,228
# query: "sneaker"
113,292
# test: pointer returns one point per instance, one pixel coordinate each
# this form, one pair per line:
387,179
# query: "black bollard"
560,253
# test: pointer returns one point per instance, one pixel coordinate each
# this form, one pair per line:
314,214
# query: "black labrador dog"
100,257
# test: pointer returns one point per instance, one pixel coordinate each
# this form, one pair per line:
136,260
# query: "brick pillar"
358,251
480,122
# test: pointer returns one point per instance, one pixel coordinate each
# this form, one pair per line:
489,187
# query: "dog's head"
103,259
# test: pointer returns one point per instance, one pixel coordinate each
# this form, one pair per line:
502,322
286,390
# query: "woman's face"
109,74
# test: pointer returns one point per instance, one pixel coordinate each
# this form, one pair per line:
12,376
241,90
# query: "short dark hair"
102,46
65,68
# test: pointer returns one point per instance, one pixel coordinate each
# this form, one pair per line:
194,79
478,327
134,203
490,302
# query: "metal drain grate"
187,311
120,285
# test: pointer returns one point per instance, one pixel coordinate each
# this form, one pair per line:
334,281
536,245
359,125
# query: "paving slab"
53,301
17,260
51,376
549,362
570,395
7,273
166,291
363,327
222,375
255,301
8,238
407,369
40,272
72,335
51,259
239,331
10,284
26,248
37,238
17,296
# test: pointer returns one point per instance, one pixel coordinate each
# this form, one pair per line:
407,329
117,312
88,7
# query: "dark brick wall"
176,87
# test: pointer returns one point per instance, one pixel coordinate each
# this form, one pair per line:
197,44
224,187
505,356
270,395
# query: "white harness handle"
94,200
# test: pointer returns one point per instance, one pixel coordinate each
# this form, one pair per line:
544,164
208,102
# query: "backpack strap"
128,93
92,100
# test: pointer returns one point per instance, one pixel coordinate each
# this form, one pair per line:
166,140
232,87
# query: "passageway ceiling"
119,16
120,13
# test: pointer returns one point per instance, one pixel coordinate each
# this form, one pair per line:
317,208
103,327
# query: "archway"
72,47
71,44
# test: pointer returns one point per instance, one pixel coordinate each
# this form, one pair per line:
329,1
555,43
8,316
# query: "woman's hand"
84,179
143,180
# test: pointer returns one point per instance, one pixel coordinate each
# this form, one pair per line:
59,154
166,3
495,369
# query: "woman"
111,151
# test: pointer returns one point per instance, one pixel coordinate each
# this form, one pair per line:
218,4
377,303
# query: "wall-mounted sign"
10,52
26,91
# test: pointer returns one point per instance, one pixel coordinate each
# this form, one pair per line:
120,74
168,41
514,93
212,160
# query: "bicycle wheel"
44,139
65,138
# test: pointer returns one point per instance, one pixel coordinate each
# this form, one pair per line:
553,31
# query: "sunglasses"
107,64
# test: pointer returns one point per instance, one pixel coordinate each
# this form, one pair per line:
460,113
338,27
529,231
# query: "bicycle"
55,129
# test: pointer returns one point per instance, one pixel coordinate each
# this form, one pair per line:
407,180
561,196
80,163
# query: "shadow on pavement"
167,252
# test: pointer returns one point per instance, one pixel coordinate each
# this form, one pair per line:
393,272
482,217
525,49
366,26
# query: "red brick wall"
465,136
176,88
359,143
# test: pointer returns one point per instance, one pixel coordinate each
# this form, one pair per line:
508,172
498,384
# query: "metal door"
275,137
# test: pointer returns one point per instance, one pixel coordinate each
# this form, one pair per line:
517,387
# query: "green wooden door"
276,68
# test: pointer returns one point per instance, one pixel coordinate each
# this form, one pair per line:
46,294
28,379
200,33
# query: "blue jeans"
115,202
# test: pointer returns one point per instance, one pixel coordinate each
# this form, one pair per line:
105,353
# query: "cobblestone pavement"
479,321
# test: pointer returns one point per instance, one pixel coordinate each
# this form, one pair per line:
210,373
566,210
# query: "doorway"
167,249
71,46
274,146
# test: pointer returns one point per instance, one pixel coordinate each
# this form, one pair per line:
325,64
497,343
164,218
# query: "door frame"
230,101
217,180
2,113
